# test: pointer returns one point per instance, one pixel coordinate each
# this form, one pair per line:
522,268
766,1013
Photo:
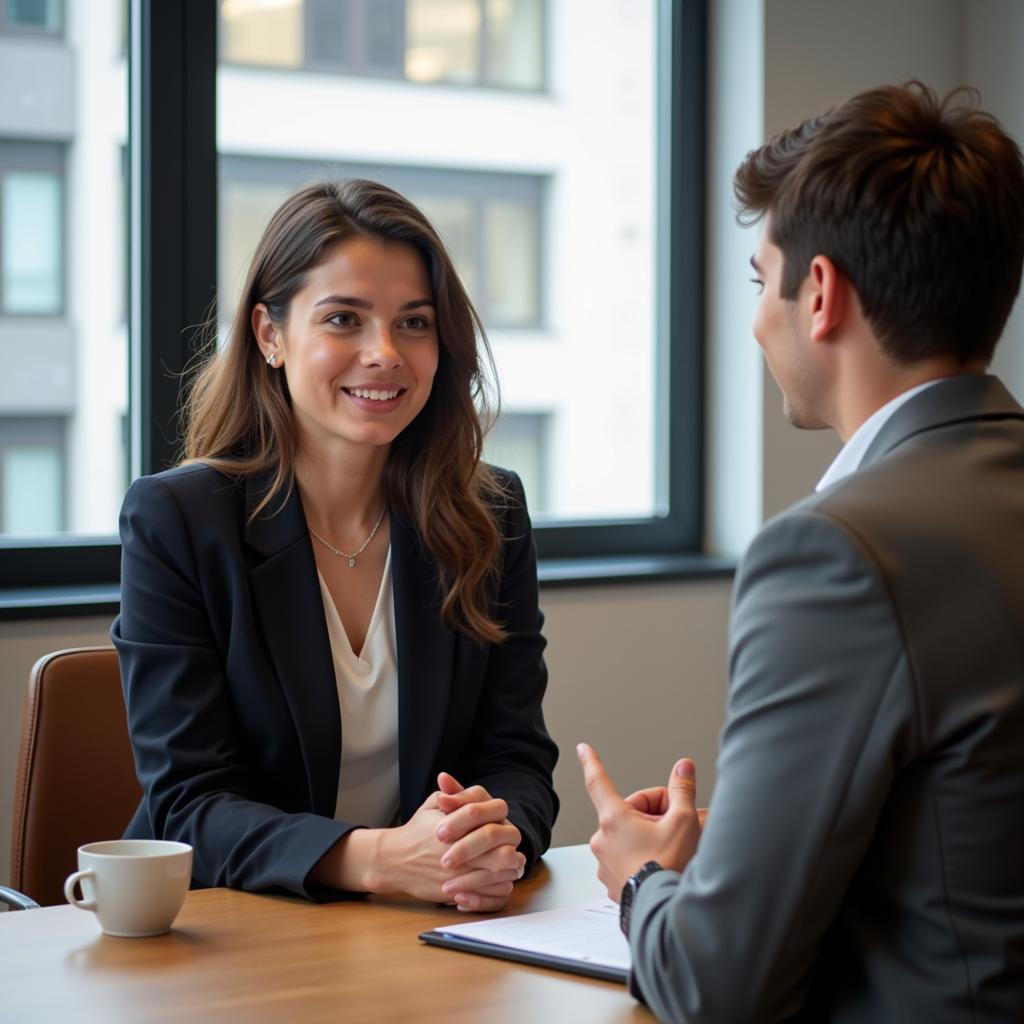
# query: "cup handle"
69,890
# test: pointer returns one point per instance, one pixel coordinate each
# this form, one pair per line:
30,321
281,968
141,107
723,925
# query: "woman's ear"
268,335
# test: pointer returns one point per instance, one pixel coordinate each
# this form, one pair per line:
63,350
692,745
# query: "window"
31,229
490,222
497,43
364,37
31,476
42,16
552,204
520,439
568,211
63,396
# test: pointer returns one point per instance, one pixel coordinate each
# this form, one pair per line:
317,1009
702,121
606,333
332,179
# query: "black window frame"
682,129
173,269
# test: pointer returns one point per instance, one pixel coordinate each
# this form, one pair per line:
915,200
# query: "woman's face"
360,346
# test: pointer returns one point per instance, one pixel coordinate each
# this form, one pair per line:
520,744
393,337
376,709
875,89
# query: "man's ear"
828,297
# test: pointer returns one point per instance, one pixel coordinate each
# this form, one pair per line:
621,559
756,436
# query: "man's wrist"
630,890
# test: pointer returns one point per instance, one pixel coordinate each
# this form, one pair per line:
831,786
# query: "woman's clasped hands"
459,847
482,846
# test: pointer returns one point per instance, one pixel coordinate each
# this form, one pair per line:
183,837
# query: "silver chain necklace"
338,553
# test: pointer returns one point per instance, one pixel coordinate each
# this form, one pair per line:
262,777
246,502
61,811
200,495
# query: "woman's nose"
380,348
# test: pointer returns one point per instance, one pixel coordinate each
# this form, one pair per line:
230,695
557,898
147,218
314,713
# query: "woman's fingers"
480,881
480,841
501,858
450,800
483,902
448,784
465,819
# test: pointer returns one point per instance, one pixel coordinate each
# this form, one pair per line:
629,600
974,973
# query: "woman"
331,604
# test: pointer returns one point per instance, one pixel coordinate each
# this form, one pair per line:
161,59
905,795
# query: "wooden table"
235,956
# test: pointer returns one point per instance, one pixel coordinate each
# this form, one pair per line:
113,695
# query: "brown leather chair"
76,774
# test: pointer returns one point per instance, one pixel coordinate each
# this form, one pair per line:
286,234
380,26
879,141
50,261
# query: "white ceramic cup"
134,886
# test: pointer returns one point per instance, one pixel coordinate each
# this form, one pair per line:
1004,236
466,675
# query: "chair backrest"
76,774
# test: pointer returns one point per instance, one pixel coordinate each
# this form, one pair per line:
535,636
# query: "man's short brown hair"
919,204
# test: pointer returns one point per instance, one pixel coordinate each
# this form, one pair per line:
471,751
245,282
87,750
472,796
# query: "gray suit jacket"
864,856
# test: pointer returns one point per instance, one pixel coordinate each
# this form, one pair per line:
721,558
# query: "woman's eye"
417,323
759,283
342,319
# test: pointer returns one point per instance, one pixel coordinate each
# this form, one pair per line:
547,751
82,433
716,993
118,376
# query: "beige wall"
635,670
994,63
774,63
638,672
817,55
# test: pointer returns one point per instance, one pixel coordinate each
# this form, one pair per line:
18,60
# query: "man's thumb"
682,785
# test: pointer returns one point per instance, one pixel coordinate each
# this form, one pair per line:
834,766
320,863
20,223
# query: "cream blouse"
368,787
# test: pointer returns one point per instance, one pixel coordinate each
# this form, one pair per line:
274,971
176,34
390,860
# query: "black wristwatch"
629,891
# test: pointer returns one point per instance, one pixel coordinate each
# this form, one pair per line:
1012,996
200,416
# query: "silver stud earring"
272,359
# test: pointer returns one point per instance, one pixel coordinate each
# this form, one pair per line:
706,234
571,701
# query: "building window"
490,222
521,439
31,229
31,476
42,16
494,43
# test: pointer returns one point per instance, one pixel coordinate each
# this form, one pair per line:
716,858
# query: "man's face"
781,327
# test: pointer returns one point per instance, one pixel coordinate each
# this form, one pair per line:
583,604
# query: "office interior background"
532,132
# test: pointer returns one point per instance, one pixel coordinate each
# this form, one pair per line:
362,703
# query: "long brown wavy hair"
238,415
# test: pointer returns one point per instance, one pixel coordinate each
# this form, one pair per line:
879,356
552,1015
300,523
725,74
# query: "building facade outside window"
32,16
62,136
497,43
541,174
491,224
532,132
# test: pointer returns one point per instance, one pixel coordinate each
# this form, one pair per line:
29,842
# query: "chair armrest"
17,900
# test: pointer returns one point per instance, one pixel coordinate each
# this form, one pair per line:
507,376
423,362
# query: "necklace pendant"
352,563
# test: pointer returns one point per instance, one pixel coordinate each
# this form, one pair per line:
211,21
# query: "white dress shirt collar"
848,459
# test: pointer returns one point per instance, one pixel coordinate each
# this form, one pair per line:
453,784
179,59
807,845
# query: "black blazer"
231,694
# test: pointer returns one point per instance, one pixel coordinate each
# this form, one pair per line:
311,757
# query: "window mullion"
174,202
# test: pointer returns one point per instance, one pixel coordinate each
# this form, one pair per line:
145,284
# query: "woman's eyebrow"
351,300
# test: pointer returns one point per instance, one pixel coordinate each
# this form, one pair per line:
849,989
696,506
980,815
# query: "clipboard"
582,940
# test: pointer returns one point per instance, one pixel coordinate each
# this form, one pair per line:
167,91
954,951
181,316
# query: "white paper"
590,934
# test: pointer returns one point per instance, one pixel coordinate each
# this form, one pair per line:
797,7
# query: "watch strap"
630,889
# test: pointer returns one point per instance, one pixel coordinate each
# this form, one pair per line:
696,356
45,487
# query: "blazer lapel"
953,400
426,652
289,608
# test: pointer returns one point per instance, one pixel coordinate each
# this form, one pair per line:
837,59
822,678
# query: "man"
863,857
